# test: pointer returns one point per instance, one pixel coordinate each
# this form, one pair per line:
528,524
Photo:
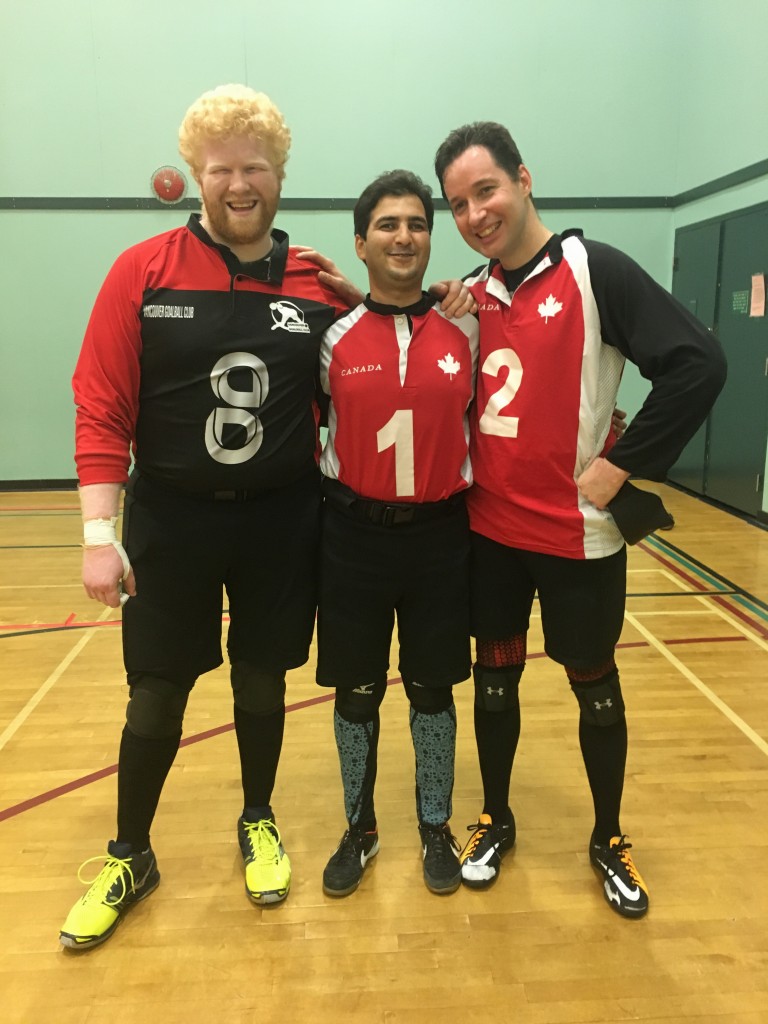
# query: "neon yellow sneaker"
124,879
267,868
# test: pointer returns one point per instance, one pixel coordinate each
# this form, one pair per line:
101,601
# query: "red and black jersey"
204,365
400,383
551,358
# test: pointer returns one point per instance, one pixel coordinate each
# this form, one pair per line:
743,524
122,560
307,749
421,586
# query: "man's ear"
524,177
360,247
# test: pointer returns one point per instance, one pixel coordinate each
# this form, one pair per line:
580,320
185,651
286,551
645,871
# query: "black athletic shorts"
369,573
582,600
186,550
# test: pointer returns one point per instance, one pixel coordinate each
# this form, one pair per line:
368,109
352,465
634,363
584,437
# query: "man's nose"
403,234
476,212
238,182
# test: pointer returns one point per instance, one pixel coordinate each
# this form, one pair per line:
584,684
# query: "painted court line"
729,713
187,741
41,586
10,731
702,578
685,586
718,610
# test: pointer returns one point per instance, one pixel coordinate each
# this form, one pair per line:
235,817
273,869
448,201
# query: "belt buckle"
393,515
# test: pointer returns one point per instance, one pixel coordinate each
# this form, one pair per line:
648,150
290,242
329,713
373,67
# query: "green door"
739,420
694,285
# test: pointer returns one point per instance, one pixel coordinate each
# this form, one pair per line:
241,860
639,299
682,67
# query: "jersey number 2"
491,421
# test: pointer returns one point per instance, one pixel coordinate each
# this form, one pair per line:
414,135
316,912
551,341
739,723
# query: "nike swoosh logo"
486,857
630,894
138,884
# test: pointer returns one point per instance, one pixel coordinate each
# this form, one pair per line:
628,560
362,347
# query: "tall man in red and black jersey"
395,538
200,361
558,317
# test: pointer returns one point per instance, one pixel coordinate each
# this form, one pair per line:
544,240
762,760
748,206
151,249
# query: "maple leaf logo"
549,308
449,365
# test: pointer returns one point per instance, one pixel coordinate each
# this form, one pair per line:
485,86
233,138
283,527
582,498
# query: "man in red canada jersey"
558,317
200,360
395,539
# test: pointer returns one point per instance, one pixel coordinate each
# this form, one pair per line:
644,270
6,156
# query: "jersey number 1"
399,432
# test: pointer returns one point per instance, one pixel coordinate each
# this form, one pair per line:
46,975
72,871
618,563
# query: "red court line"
708,640
103,773
698,585
70,624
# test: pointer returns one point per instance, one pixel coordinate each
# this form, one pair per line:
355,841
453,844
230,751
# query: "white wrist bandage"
99,532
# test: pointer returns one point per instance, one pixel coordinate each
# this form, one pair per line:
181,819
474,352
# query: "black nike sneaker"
481,857
624,888
345,868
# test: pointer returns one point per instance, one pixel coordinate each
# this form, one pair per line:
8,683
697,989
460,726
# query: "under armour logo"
606,704
490,691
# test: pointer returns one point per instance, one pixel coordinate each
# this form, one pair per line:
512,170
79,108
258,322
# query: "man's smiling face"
240,189
491,210
396,246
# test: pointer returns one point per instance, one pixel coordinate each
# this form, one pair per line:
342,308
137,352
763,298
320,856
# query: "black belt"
242,495
238,494
381,513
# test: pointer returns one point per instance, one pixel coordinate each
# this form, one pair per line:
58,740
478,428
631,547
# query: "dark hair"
494,137
391,183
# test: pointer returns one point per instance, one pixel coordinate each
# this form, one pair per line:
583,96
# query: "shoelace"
480,830
621,851
103,880
352,844
264,837
433,838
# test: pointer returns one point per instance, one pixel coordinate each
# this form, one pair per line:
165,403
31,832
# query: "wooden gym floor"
541,947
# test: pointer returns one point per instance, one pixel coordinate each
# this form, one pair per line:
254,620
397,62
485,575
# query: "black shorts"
582,600
186,550
369,573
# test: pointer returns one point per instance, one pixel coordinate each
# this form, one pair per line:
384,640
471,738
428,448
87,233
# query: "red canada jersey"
400,383
551,358
546,390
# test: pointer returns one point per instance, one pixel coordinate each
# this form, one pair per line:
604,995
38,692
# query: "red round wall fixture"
169,184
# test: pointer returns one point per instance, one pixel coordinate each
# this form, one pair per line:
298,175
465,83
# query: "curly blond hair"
234,110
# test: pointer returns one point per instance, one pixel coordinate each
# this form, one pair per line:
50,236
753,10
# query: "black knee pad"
156,708
428,700
360,705
496,688
255,691
600,701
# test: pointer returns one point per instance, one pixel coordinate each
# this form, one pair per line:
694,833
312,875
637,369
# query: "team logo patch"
288,317
449,365
551,307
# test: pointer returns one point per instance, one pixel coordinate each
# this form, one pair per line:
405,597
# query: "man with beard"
200,360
